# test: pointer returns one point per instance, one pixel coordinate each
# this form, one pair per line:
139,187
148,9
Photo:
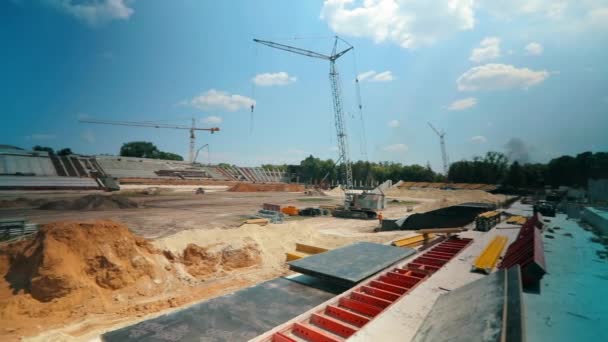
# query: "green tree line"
493,168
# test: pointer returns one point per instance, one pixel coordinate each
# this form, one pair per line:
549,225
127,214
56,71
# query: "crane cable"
363,140
255,59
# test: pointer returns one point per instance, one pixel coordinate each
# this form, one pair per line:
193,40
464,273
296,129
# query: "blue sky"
531,73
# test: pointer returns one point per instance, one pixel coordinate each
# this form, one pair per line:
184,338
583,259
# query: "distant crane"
191,128
444,155
336,92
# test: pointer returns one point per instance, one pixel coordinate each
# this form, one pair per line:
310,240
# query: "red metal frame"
353,311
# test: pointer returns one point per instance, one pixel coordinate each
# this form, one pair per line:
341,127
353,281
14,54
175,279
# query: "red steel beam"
309,333
386,295
330,324
280,337
369,299
388,287
347,316
359,307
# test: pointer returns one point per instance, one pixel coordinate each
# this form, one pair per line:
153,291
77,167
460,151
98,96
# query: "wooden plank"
300,247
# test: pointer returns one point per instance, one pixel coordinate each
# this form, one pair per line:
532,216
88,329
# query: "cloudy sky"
524,77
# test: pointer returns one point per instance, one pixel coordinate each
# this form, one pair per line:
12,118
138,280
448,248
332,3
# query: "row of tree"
144,149
493,168
63,152
316,170
139,149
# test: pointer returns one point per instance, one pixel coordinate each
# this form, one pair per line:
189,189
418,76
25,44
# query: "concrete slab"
349,265
238,316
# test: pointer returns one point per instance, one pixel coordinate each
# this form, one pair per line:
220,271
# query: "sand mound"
201,261
65,257
281,187
458,196
71,270
91,202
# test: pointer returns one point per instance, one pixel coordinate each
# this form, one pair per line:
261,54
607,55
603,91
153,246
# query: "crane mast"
336,91
444,155
191,128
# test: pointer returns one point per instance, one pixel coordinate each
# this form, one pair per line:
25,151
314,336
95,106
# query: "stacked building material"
346,314
528,252
13,228
486,221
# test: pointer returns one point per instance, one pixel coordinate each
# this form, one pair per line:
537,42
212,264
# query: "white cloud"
372,76
41,136
221,100
87,136
395,148
94,12
273,79
479,139
555,15
463,104
534,49
598,16
489,48
408,23
394,124
212,120
498,77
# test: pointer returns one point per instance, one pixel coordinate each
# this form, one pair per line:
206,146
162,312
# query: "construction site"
142,245
235,254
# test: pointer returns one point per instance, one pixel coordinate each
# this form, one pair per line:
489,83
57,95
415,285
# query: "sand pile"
271,242
280,187
91,202
335,192
71,270
204,261
458,196
68,257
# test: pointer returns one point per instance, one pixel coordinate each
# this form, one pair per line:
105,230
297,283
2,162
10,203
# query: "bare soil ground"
197,231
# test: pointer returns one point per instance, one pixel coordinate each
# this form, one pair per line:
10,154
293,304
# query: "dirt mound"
279,187
456,196
91,202
314,192
71,270
21,203
65,257
201,261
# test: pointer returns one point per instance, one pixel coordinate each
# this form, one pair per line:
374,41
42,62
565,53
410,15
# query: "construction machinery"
355,205
361,206
191,128
444,155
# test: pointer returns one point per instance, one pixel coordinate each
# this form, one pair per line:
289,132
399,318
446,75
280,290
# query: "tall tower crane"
191,128
336,91
444,155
